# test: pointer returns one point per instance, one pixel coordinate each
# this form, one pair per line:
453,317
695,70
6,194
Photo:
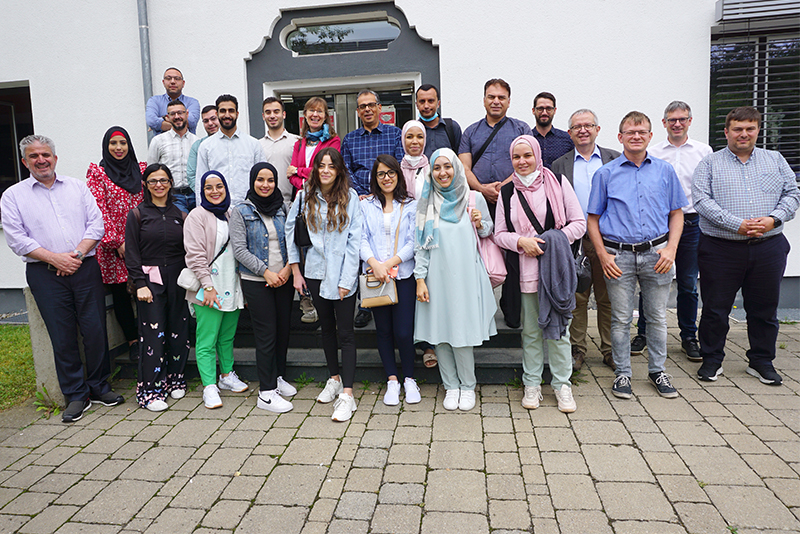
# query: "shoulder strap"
486,143
531,217
220,251
505,192
451,136
397,232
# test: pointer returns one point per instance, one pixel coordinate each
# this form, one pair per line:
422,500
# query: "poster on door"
388,115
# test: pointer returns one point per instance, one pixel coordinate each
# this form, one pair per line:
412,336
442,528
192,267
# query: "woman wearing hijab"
330,273
155,258
453,319
219,299
555,206
316,133
116,184
259,245
415,167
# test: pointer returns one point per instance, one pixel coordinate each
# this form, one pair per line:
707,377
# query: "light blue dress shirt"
374,240
582,172
232,156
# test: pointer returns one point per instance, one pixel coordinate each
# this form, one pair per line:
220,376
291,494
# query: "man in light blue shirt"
229,151
578,166
156,109
635,223
211,126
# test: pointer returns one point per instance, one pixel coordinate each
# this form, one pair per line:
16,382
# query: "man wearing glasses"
578,166
359,150
635,223
554,142
684,154
156,110
172,149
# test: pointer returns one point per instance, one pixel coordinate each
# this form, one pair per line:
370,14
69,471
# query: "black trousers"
394,327
336,319
66,304
123,310
725,267
270,312
164,341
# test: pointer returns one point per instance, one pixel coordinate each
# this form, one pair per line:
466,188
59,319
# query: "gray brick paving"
722,457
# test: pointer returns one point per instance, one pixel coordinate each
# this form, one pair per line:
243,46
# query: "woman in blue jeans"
387,249
333,218
259,245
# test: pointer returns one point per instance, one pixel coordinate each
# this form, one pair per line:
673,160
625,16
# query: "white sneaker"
285,389
343,408
211,397
232,383
451,399
273,402
332,390
157,406
412,391
467,400
392,395
178,394
533,394
565,401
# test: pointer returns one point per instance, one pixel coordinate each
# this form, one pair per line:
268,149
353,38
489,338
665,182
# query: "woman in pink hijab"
554,205
414,164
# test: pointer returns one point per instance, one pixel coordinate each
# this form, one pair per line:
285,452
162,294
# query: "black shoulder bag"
301,236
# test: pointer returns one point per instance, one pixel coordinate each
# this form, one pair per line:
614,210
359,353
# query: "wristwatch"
80,255
209,288
778,222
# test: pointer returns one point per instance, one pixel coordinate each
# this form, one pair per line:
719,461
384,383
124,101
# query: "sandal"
429,359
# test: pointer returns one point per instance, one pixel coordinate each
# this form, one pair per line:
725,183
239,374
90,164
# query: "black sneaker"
709,372
107,399
578,359
622,387
363,317
692,349
765,373
665,388
638,344
75,410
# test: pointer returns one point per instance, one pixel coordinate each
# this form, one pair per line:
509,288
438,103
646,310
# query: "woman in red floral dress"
116,184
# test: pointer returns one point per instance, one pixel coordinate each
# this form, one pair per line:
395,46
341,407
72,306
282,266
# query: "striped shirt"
727,191
173,151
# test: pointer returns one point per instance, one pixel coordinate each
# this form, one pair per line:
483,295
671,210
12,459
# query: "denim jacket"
250,239
333,257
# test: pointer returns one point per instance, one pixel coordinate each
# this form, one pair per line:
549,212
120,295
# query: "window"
342,37
16,121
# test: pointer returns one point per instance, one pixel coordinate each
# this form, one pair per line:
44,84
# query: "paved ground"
724,457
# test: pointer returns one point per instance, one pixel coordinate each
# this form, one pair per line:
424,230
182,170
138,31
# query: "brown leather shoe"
578,359
609,361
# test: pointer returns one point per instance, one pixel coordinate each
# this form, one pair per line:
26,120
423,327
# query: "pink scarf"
552,187
410,169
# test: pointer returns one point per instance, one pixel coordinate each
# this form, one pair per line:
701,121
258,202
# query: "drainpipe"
144,50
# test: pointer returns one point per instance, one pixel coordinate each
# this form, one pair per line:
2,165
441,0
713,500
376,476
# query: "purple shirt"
56,219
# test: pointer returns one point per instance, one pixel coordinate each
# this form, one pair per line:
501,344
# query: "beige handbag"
375,293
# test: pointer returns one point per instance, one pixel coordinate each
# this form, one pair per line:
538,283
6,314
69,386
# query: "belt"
183,190
636,247
748,242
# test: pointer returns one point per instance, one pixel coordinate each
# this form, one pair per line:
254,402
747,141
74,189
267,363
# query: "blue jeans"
638,267
185,203
686,269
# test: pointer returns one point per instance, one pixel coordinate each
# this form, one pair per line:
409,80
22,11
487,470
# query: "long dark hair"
150,170
400,192
337,198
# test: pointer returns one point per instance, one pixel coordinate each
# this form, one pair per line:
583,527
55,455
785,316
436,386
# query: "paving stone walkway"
723,458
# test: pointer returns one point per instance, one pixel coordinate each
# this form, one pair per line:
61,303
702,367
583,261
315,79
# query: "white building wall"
81,59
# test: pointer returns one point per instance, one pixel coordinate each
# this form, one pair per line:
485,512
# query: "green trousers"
215,332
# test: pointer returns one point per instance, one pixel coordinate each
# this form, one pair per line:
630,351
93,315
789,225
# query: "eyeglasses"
176,113
682,120
542,109
633,133
317,111
160,181
390,173
579,127
370,105
173,78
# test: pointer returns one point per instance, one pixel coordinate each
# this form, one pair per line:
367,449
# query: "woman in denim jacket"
333,218
259,245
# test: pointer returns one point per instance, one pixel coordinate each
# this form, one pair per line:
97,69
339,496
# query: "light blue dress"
462,306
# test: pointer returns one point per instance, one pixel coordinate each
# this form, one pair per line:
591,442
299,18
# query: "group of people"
228,220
